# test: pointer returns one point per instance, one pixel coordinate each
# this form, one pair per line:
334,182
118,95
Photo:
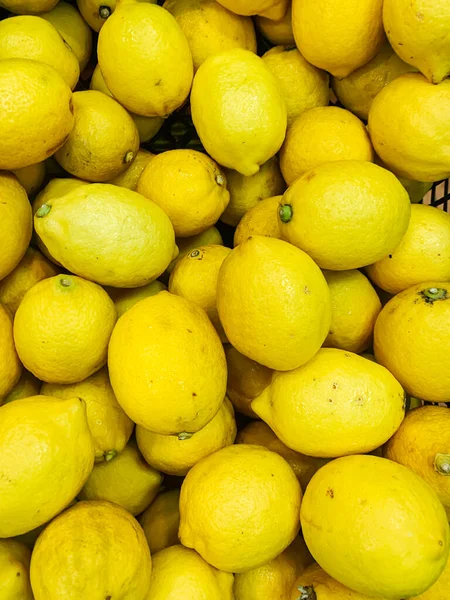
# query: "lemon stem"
306,593
104,12
43,211
184,436
110,454
435,293
220,179
442,463
286,213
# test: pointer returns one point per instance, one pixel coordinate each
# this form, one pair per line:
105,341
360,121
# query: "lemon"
31,178
15,223
419,33
260,434
130,177
273,302
28,6
126,298
95,546
394,509
322,135
161,521
36,105
355,308
303,85
247,192
54,189
176,455
31,269
345,214
179,568
15,569
210,28
167,365
439,590
27,386
272,9
10,366
238,110
262,219
277,32
110,427
423,254
145,59
408,125
131,238
195,278
411,340
95,12
209,237
62,328
338,403
357,91
46,454
189,186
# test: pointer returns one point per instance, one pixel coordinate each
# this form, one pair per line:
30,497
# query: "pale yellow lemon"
95,12
125,298
130,177
15,571
272,9
439,590
10,365
277,32
262,219
31,178
210,236
161,521
27,386
28,6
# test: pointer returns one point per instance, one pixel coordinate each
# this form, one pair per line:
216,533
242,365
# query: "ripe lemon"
10,366
372,503
411,340
46,455
279,326
238,110
15,569
62,328
161,521
303,85
28,6
167,365
439,590
209,237
125,298
189,186
262,219
345,214
95,546
354,307
239,507
27,386
130,177
31,178
272,9
338,403
277,32
110,427
95,12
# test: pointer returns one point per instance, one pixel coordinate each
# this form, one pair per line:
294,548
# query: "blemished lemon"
27,386
321,135
179,568
16,223
36,104
167,365
408,126
46,454
96,546
209,237
210,28
145,59
110,427
338,403
394,509
130,177
15,569
439,590
239,507
423,254
303,85
10,366
355,306
54,189
131,238
272,9
195,278
345,214
125,298
28,6
61,309
189,186
262,219
238,110
247,192
95,12
277,32
260,434
411,340
176,455
161,521
31,178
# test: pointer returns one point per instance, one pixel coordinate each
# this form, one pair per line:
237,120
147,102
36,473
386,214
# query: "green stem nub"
306,593
184,436
104,12
286,213
435,293
43,211
220,179
65,282
110,454
442,463
128,157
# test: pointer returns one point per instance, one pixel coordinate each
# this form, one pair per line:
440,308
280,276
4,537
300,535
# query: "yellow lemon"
423,254
126,298
239,507
279,325
10,366
238,110
272,9
209,237
130,177
345,214
354,307
176,455
31,178
36,104
28,6
411,340
145,59
161,521
95,12
15,571
189,186
27,386
167,365
409,127
322,135
54,189
62,328
46,454
277,32
262,219
372,503
338,403
439,590
247,192
110,427
95,546
210,28
131,238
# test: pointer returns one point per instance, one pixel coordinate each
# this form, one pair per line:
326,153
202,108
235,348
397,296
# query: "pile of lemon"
184,417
